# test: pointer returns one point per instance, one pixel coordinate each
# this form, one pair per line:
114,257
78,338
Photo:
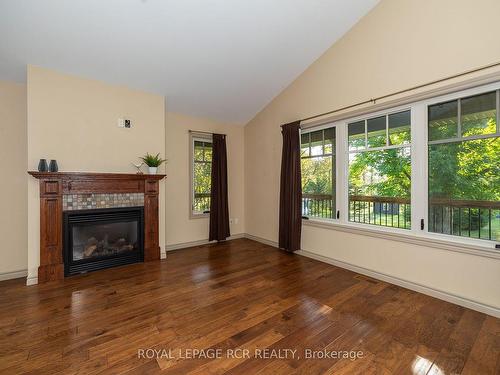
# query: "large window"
318,174
464,167
380,170
429,168
201,175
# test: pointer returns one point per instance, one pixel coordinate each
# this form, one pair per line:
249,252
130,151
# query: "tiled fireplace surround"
68,191
72,202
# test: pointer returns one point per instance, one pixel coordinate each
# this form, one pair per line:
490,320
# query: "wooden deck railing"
318,205
467,218
201,202
385,211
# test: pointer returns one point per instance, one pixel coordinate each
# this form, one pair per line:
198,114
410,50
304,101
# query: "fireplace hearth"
102,238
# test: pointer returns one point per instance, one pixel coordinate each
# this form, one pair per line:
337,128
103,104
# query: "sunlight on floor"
422,366
201,273
77,304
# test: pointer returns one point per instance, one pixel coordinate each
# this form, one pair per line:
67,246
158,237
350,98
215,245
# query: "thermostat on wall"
124,123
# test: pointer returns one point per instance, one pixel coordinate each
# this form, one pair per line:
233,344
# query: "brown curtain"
290,189
219,210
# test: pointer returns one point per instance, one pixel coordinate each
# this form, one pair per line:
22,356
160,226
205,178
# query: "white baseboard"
261,240
163,252
448,297
184,245
13,275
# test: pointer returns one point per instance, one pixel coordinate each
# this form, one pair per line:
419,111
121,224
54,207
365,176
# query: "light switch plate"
124,123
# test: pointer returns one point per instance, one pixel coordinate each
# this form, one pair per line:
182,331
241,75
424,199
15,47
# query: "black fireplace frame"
94,216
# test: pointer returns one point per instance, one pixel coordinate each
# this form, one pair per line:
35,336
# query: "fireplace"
102,238
67,194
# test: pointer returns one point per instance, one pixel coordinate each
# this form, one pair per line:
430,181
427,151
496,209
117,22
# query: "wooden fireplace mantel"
54,185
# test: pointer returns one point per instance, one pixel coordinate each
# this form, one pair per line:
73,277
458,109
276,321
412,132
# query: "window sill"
407,236
199,216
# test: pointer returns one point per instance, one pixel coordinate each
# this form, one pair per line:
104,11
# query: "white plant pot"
153,170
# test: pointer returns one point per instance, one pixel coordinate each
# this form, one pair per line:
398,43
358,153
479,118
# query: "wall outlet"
233,221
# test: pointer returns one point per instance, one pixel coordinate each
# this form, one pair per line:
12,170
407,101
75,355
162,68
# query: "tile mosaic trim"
72,202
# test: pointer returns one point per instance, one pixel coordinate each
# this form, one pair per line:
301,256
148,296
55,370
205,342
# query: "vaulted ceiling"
221,59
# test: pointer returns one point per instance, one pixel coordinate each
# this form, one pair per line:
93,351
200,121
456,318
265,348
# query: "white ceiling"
221,59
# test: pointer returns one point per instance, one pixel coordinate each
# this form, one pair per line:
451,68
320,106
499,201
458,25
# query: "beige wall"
13,190
400,43
74,120
179,227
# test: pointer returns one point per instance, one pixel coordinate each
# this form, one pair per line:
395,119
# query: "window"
464,167
318,173
201,175
379,178
429,168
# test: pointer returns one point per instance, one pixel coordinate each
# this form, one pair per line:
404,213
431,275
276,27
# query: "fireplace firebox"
102,238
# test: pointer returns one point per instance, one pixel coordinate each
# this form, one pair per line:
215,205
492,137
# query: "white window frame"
419,172
345,187
422,191
193,137
335,153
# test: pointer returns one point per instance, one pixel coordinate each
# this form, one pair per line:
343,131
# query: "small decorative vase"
42,166
53,167
153,170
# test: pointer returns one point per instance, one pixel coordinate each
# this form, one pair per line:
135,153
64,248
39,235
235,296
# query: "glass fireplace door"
102,238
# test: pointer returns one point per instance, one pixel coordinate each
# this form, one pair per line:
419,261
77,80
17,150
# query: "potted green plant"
153,162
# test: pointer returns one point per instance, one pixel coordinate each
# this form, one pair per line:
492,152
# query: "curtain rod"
200,132
374,100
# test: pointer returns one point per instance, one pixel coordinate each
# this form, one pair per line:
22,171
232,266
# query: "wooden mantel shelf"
96,175
92,182
53,185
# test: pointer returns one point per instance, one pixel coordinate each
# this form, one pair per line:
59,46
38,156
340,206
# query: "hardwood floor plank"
452,357
484,357
237,295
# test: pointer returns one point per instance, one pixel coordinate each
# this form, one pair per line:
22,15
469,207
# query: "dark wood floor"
238,295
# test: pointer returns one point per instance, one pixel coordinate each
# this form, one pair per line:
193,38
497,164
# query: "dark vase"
53,166
42,166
